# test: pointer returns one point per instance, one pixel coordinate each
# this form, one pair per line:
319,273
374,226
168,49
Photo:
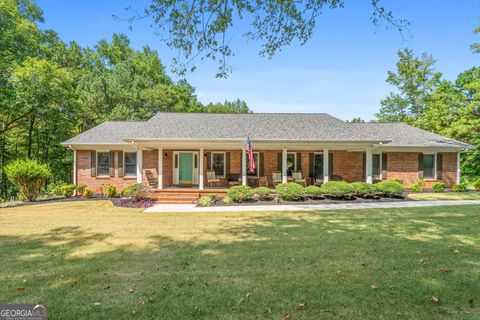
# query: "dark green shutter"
279,161
121,171
330,164
384,166
364,164
209,161
420,165
227,163
439,166
311,159
261,169
299,161
93,163
111,169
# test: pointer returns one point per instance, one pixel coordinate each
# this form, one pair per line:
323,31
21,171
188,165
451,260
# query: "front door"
318,166
185,170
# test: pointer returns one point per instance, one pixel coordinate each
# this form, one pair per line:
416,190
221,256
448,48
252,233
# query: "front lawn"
445,196
92,260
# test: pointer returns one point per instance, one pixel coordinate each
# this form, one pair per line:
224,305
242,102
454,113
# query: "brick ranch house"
201,151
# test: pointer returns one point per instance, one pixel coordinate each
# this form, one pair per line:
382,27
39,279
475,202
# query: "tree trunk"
30,136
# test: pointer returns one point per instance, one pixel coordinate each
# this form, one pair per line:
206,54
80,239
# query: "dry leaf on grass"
434,299
374,286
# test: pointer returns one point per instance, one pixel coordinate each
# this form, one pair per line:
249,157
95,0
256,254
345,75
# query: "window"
376,166
255,160
429,166
318,166
291,163
103,166
218,163
130,163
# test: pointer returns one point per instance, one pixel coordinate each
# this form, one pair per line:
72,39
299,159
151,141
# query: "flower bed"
133,203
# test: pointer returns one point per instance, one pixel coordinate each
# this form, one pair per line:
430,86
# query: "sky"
340,71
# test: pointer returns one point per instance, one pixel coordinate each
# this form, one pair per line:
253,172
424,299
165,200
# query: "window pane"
218,163
428,166
318,166
103,163
376,164
290,164
255,160
130,163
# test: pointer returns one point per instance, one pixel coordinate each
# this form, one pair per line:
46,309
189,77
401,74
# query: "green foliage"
227,200
397,180
240,193
421,182
363,189
111,191
313,192
263,192
461,187
81,187
68,190
415,187
438,187
28,176
212,196
236,106
389,189
337,189
87,193
137,190
205,201
476,184
55,189
290,191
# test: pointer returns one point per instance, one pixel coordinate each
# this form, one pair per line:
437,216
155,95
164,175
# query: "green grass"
445,196
353,264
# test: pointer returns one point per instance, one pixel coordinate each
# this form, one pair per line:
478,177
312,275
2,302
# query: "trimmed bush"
363,190
415,187
462,187
240,193
55,189
263,192
137,191
313,192
397,180
28,176
421,182
205,201
87,193
476,184
227,200
290,191
81,187
390,189
212,196
67,190
438,187
337,190
110,191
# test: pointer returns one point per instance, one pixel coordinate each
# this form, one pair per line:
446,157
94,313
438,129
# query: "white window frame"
125,164
380,156
257,171
98,163
224,163
434,154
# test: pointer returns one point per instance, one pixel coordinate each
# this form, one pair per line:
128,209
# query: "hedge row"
332,190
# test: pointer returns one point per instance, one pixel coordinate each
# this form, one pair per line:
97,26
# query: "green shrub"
87,193
110,191
28,176
476,184
137,190
68,190
263,192
227,200
421,182
415,187
397,180
81,187
212,196
55,189
389,189
205,201
461,187
337,190
240,193
313,192
290,191
438,187
363,189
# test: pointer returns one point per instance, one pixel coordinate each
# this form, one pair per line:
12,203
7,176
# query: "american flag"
250,156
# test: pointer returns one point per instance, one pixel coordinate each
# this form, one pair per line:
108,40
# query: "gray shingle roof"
259,126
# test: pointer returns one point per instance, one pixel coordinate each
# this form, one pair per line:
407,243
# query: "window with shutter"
103,164
130,163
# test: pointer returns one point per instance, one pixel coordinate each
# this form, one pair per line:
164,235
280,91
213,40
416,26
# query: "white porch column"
244,166
139,164
458,168
200,174
369,168
284,166
160,168
74,166
326,166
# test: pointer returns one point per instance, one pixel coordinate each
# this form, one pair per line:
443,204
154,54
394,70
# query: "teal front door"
185,169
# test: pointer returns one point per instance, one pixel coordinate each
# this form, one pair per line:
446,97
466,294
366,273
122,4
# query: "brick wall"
348,165
449,168
403,165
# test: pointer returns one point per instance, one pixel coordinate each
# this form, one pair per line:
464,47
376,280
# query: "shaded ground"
93,260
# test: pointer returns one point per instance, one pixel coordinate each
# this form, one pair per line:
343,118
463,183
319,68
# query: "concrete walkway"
307,207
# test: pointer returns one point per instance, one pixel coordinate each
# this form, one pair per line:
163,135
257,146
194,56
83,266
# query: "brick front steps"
183,196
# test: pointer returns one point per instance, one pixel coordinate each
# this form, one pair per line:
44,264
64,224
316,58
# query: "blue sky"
341,70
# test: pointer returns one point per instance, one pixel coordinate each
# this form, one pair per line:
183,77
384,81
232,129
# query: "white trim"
201,165
160,169
176,171
139,164
284,165
75,170
458,168
224,162
369,166
244,166
326,166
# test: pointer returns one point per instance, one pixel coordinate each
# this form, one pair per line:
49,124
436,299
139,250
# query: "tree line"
51,90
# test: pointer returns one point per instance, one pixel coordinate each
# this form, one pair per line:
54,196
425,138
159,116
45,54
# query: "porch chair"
211,178
277,178
152,181
297,178
263,182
